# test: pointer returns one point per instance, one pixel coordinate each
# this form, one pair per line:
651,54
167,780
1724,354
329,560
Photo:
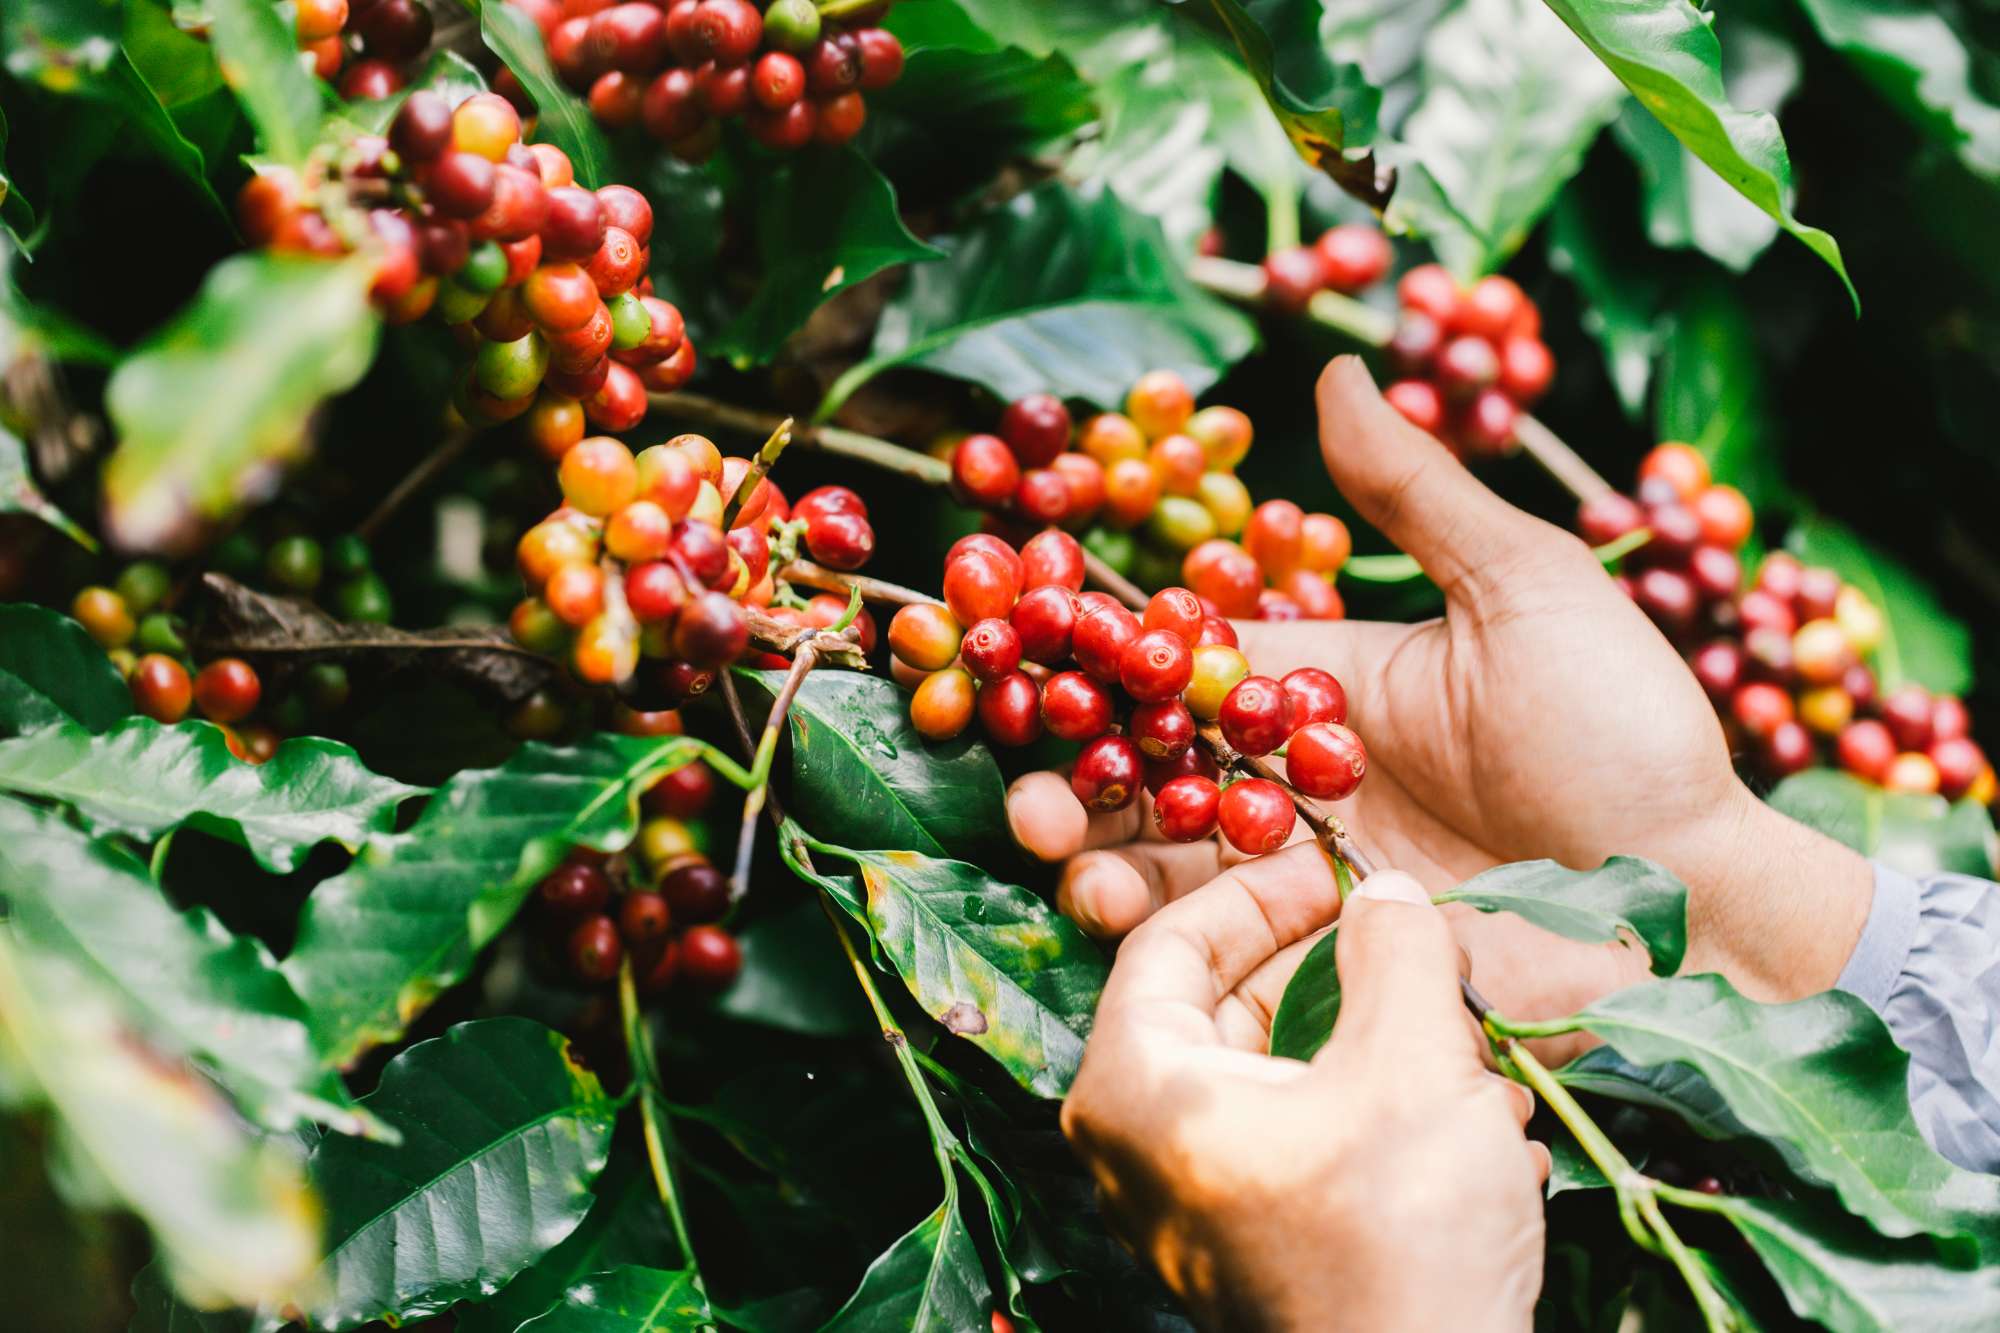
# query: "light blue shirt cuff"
1883,951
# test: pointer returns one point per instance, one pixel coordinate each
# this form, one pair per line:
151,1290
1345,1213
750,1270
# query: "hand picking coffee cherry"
1469,360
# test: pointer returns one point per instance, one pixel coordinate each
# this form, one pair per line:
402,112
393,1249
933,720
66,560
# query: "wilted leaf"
824,221
1626,896
503,1133
632,1299
1497,63
1667,55
1061,291
142,778
563,118
378,942
181,975
1917,834
1820,1080
1922,641
51,670
230,1214
210,407
259,56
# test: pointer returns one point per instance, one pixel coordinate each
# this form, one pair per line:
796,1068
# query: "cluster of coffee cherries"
1469,361
367,45
657,903
1347,259
680,68
1020,646
1154,491
1785,655
544,281
636,564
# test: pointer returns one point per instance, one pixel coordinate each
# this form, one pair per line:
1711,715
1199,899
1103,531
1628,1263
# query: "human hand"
1385,1185
1542,715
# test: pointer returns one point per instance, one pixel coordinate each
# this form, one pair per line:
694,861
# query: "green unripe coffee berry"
347,555
237,555
792,25
294,563
630,321
143,584
512,370
485,269
1113,547
363,598
1180,523
323,686
460,305
1155,567
161,633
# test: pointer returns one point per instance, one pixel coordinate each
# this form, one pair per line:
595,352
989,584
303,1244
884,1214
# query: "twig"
775,636
1331,834
718,415
639,1049
1109,579
760,467
871,589
1558,459
440,458
804,659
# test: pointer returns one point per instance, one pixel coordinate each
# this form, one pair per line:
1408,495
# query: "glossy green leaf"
58,42
1712,393
378,942
632,1299
1570,1169
143,779
563,118
20,495
230,1213
1674,1088
824,221
143,119
795,979
259,56
1667,54
1303,1020
1922,67
1488,64
207,406
52,670
1686,204
1325,103
1918,835
862,772
986,97
1059,290
181,975
1622,288
1822,1082
28,330
503,1133
990,961
930,1280
1922,641
625,1225
1624,897
1837,1272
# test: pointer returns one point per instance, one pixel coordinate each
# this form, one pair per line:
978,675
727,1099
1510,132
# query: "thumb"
1408,485
1399,968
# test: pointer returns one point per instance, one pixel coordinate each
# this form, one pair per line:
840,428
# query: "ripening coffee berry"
1185,808
1044,621
160,688
991,649
942,706
643,918
979,585
598,476
1256,815
1218,668
711,631
1160,402
1912,773
227,690
1156,665
1036,428
105,615
1103,632
575,594
1176,610
574,888
1178,461
1314,696
1325,761
1353,257
1292,276
1075,707
925,635
1826,710
1052,558
1256,716
710,957
1108,773
1162,729
594,949
1680,466
1010,709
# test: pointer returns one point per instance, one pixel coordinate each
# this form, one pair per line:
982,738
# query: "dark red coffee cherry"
1185,808
643,918
1108,773
595,950
710,957
574,887
1010,709
696,892
1163,729
1256,716
1075,707
1256,816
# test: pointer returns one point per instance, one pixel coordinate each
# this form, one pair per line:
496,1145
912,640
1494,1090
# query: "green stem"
1716,1312
160,849
760,467
645,1074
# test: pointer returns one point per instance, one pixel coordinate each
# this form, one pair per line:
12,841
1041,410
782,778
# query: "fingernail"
1083,903
1391,886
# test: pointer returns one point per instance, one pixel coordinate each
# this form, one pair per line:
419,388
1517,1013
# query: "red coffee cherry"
1605,518
991,649
1760,708
881,58
1045,621
1194,761
574,887
1668,596
984,471
925,635
1866,749
1789,749
683,792
1052,558
1819,593
710,957
1486,427
992,545
1103,632
1256,716
1185,808
1010,709
1717,574
1719,666
700,549
422,127
1176,610
728,31
1325,761
227,690
1907,712
1075,707
1526,369
595,950
696,892
1314,696
1415,343
1156,665
1292,276
840,541
643,918
1214,629
1959,763
1949,717
1256,815
1493,308
833,65
979,586
1465,365
711,631
1163,729
1042,495
1108,773
1353,257
160,688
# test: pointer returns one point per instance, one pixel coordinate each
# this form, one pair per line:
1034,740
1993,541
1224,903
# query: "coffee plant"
501,822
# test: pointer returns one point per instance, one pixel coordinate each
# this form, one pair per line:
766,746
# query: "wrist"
1772,905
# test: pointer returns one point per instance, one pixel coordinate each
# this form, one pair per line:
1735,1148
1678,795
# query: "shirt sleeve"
1929,963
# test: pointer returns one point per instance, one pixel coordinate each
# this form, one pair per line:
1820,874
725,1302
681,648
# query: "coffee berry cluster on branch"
545,282
1469,360
1347,259
366,45
1154,492
1786,655
1020,646
680,68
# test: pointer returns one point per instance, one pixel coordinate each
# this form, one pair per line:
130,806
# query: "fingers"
1410,487
1193,952
1399,978
1048,821
1109,893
